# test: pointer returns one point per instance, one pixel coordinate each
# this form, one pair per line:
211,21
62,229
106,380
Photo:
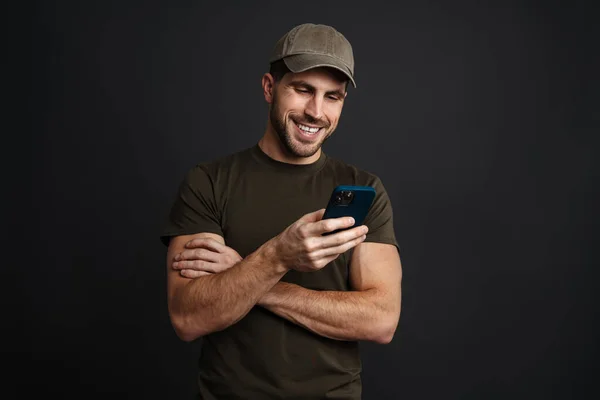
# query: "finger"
326,260
198,254
189,273
234,255
339,249
331,224
342,237
206,243
313,216
195,265
320,263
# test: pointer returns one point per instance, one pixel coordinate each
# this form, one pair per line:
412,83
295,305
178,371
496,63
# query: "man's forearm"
354,315
214,302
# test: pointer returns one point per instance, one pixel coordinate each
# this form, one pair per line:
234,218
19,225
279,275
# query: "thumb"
313,216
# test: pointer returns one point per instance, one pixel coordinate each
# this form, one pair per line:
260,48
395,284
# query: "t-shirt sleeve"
195,208
380,219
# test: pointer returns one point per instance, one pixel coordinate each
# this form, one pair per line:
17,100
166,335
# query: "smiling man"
280,306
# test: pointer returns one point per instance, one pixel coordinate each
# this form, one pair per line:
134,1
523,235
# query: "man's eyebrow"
303,84
306,85
339,93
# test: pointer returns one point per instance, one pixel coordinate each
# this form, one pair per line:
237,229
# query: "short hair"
278,70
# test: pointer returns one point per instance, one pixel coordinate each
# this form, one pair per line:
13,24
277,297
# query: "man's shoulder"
223,163
219,170
227,160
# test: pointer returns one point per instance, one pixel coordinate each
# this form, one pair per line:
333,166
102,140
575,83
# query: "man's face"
305,110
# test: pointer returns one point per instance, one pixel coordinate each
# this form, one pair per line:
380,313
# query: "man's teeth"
308,129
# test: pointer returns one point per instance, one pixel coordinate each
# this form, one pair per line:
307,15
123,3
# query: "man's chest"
258,210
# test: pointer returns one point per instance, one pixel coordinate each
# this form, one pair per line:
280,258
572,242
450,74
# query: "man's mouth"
307,129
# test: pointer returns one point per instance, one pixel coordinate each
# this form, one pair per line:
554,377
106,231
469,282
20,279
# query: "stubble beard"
293,147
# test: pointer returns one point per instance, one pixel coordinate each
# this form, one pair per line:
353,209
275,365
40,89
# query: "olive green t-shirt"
249,198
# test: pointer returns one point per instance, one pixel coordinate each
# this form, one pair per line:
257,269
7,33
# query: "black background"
480,119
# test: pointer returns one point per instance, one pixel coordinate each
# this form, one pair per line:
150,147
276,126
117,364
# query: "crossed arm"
370,312
216,300
220,298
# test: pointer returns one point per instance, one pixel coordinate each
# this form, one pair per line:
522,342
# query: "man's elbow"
190,328
186,336
384,336
384,331
185,329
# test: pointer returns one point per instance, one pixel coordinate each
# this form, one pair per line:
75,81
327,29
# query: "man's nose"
314,108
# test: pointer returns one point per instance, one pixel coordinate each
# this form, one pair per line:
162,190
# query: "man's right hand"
302,246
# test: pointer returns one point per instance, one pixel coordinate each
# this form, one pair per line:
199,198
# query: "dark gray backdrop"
479,119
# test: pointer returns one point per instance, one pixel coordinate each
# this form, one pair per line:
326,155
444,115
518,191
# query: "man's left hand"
205,256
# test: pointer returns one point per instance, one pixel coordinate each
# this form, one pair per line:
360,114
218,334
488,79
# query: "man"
280,306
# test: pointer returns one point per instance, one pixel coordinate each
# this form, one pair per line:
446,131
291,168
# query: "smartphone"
350,201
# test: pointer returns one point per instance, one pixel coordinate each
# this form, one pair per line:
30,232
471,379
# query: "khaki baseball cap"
309,46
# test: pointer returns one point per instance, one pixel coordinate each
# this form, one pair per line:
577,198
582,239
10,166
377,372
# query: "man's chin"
301,149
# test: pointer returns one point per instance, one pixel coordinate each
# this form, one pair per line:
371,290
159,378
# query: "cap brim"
304,62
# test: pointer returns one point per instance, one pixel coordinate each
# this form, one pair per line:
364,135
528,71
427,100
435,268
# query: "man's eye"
302,90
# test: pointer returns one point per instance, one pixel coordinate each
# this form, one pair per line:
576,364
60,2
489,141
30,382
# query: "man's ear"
268,84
